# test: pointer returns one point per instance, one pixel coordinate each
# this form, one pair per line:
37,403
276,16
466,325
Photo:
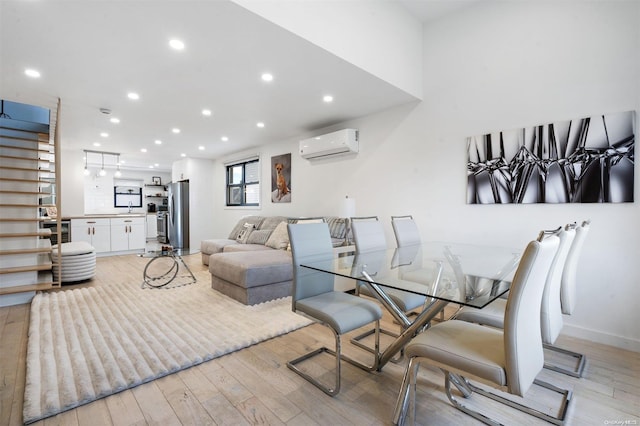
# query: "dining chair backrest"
310,242
551,312
405,230
524,357
568,289
368,234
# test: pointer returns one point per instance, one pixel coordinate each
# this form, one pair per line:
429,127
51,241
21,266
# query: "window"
127,193
243,183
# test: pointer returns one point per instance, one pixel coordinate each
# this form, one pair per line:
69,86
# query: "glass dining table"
464,274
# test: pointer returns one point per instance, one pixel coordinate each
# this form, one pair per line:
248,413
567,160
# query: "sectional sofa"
253,264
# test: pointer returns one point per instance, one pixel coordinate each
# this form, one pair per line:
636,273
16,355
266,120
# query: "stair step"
23,206
44,233
13,157
4,191
25,169
47,182
29,268
40,286
24,148
23,219
43,140
25,251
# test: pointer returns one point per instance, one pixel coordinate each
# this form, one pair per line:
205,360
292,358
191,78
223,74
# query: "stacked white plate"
78,261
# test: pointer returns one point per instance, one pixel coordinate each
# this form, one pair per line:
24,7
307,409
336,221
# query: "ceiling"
92,54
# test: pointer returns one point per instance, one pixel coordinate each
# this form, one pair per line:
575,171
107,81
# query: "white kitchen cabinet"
94,231
127,233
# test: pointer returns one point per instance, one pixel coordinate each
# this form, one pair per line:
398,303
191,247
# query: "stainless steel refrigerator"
178,223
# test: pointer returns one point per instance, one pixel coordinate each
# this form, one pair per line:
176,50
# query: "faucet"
130,207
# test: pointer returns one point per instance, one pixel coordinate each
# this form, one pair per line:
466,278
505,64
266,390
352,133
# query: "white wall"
496,66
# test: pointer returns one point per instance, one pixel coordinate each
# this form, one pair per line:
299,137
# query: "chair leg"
567,394
478,416
582,360
337,353
356,339
406,396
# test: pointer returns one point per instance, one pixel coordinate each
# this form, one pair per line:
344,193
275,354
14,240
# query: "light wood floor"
254,386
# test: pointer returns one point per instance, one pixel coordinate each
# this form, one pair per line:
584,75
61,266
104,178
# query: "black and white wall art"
585,160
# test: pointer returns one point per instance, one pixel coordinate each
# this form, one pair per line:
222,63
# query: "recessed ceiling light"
143,149
260,124
32,73
157,165
176,44
104,134
267,77
201,148
224,139
133,96
151,166
96,144
183,155
158,142
175,130
327,98
114,120
206,112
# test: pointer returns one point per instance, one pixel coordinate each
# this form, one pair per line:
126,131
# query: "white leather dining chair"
405,230
509,358
568,291
314,296
551,318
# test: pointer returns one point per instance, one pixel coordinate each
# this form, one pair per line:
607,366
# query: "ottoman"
78,261
252,277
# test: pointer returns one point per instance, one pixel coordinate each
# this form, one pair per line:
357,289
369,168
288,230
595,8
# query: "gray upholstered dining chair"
508,358
551,320
405,230
314,296
369,239
407,234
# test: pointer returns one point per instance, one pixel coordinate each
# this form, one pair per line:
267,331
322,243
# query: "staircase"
29,188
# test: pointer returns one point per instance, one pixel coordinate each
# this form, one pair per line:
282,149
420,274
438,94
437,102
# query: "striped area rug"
88,343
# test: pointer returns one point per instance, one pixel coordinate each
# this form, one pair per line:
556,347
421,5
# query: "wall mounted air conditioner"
332,144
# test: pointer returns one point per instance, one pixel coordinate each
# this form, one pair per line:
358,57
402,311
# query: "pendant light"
118,173
102,172
86,169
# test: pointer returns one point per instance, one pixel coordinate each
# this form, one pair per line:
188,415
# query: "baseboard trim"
600,337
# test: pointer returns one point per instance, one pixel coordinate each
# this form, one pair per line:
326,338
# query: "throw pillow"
279,238
259,236
243,236
254,220
337,227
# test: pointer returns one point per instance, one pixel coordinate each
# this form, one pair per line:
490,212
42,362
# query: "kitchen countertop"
106,215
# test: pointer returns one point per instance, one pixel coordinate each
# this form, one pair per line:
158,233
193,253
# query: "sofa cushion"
279,238
254,220
259,236
216,245
245,247
257,268
271,222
